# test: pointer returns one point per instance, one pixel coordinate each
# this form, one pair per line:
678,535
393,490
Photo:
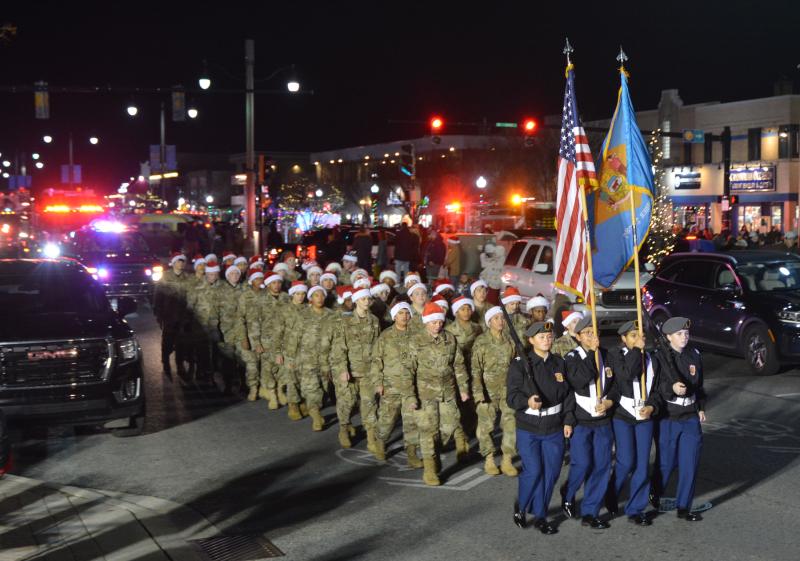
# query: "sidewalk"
50,522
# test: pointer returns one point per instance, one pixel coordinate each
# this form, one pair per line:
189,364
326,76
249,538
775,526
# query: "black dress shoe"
688,515
640,520
545,527
519,517
612,506
655,500
594,523
566,506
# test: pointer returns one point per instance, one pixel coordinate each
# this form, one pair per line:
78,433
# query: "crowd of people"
444,360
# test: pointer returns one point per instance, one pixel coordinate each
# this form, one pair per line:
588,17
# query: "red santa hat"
361,293
256,259
491,312
176,256
314,289
257,266
418,286
412,277
211,257
328,276
240,260
440,301
307,264
212,266
442,285
233,271
333,266
453,240
272,276
511,295
537,302
228,256
343,293
197,258
358,273
255,276
378,288
475,285
397,307
388,275
432,312
281,267
362,283
462,301
298,286
350,257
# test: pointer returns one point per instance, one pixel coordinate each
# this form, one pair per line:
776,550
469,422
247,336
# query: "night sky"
368,63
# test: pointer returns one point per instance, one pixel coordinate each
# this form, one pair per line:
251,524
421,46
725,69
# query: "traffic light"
41,100
516,199
529,127
408,158
437,125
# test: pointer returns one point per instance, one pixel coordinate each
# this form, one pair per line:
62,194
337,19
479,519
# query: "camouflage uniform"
438,366
416,321
465,334
311,347
169,307
272,316
479,315
289,374
521,322
491,357
203,305
563,344
390,369
352,353
232,329
250,314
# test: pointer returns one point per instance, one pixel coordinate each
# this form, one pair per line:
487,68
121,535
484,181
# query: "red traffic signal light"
436,124
529,126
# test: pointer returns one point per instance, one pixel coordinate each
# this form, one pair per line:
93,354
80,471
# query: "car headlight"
789,316
127,350
158,273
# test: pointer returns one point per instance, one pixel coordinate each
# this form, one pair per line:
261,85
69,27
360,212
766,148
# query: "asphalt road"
252,471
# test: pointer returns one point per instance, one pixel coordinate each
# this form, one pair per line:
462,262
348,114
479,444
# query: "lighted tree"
661,240
303,198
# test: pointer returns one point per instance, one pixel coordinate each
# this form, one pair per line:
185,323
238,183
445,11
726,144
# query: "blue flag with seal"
625,174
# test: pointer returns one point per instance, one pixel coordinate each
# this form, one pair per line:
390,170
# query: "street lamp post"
250,155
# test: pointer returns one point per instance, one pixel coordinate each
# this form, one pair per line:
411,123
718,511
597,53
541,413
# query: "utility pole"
725,137
71,164
250,156
163,153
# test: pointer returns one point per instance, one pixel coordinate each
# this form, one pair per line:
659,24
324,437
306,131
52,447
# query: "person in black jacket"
590,448
680,436
635,375
543,413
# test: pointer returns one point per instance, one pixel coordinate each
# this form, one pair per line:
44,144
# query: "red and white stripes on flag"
575,172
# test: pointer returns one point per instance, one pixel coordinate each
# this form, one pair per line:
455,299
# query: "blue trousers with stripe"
590,462
680,443
633,460
541,464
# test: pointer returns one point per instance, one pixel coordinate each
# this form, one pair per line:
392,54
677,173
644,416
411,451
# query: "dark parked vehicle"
118,258
65,356
745,303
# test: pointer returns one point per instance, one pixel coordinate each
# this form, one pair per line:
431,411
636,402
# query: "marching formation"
446,363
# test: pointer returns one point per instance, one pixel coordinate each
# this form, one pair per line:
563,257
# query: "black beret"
539,327
675,324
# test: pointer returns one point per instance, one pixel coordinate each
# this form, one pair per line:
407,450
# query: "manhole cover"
238,548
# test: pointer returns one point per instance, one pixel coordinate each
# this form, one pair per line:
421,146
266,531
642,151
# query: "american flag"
575,171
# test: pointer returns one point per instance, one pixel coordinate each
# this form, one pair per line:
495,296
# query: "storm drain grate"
238,548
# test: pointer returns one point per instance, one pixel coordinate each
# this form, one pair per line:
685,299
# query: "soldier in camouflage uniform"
230,325
199,266
351,357
270,388
465,331
511,300
251,351
348,266
293,314
567,341
310,345
479,291
537,308
394,382
438,366
169,307
418,294
491,357
203,306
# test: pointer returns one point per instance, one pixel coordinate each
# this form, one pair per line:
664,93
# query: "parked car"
66,357
529,267
744,303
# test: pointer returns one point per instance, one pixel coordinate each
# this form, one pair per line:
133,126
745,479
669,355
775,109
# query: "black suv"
118,258
745,303
65,356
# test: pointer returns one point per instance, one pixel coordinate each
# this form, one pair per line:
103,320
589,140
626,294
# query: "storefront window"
777,216
690,217
748,217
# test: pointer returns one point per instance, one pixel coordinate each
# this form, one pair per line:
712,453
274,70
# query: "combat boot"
253,394
304,409
380,450
263,392
490,467
413,461
344,437
507,467
429,476
351,430
272,399
317,420
294,412
282,396
371,441
462,446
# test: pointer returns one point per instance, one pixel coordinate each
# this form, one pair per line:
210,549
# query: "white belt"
629,404
544,412
682,401
588,404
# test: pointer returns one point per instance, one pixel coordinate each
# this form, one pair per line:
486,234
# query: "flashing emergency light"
529,126
102,273
516,200
436,124
108,226
52,251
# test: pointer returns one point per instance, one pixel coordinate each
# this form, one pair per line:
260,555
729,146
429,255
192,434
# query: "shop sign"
687,180
752,179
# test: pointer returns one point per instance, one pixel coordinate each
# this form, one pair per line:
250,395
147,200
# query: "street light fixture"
6,175
47,139
181,201
374,188
481,182
35,155
6,164
209,199
132,109
39,165
192,112
293,86
318,192
205,80
93,140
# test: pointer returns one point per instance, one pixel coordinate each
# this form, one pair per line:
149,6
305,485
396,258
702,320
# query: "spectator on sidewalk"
362,245
406,246
435,251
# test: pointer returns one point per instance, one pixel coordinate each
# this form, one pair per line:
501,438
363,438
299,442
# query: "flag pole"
587,243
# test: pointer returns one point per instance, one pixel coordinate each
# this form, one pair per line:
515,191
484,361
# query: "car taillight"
157,273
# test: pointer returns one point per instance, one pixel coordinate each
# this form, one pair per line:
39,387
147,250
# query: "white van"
529,267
